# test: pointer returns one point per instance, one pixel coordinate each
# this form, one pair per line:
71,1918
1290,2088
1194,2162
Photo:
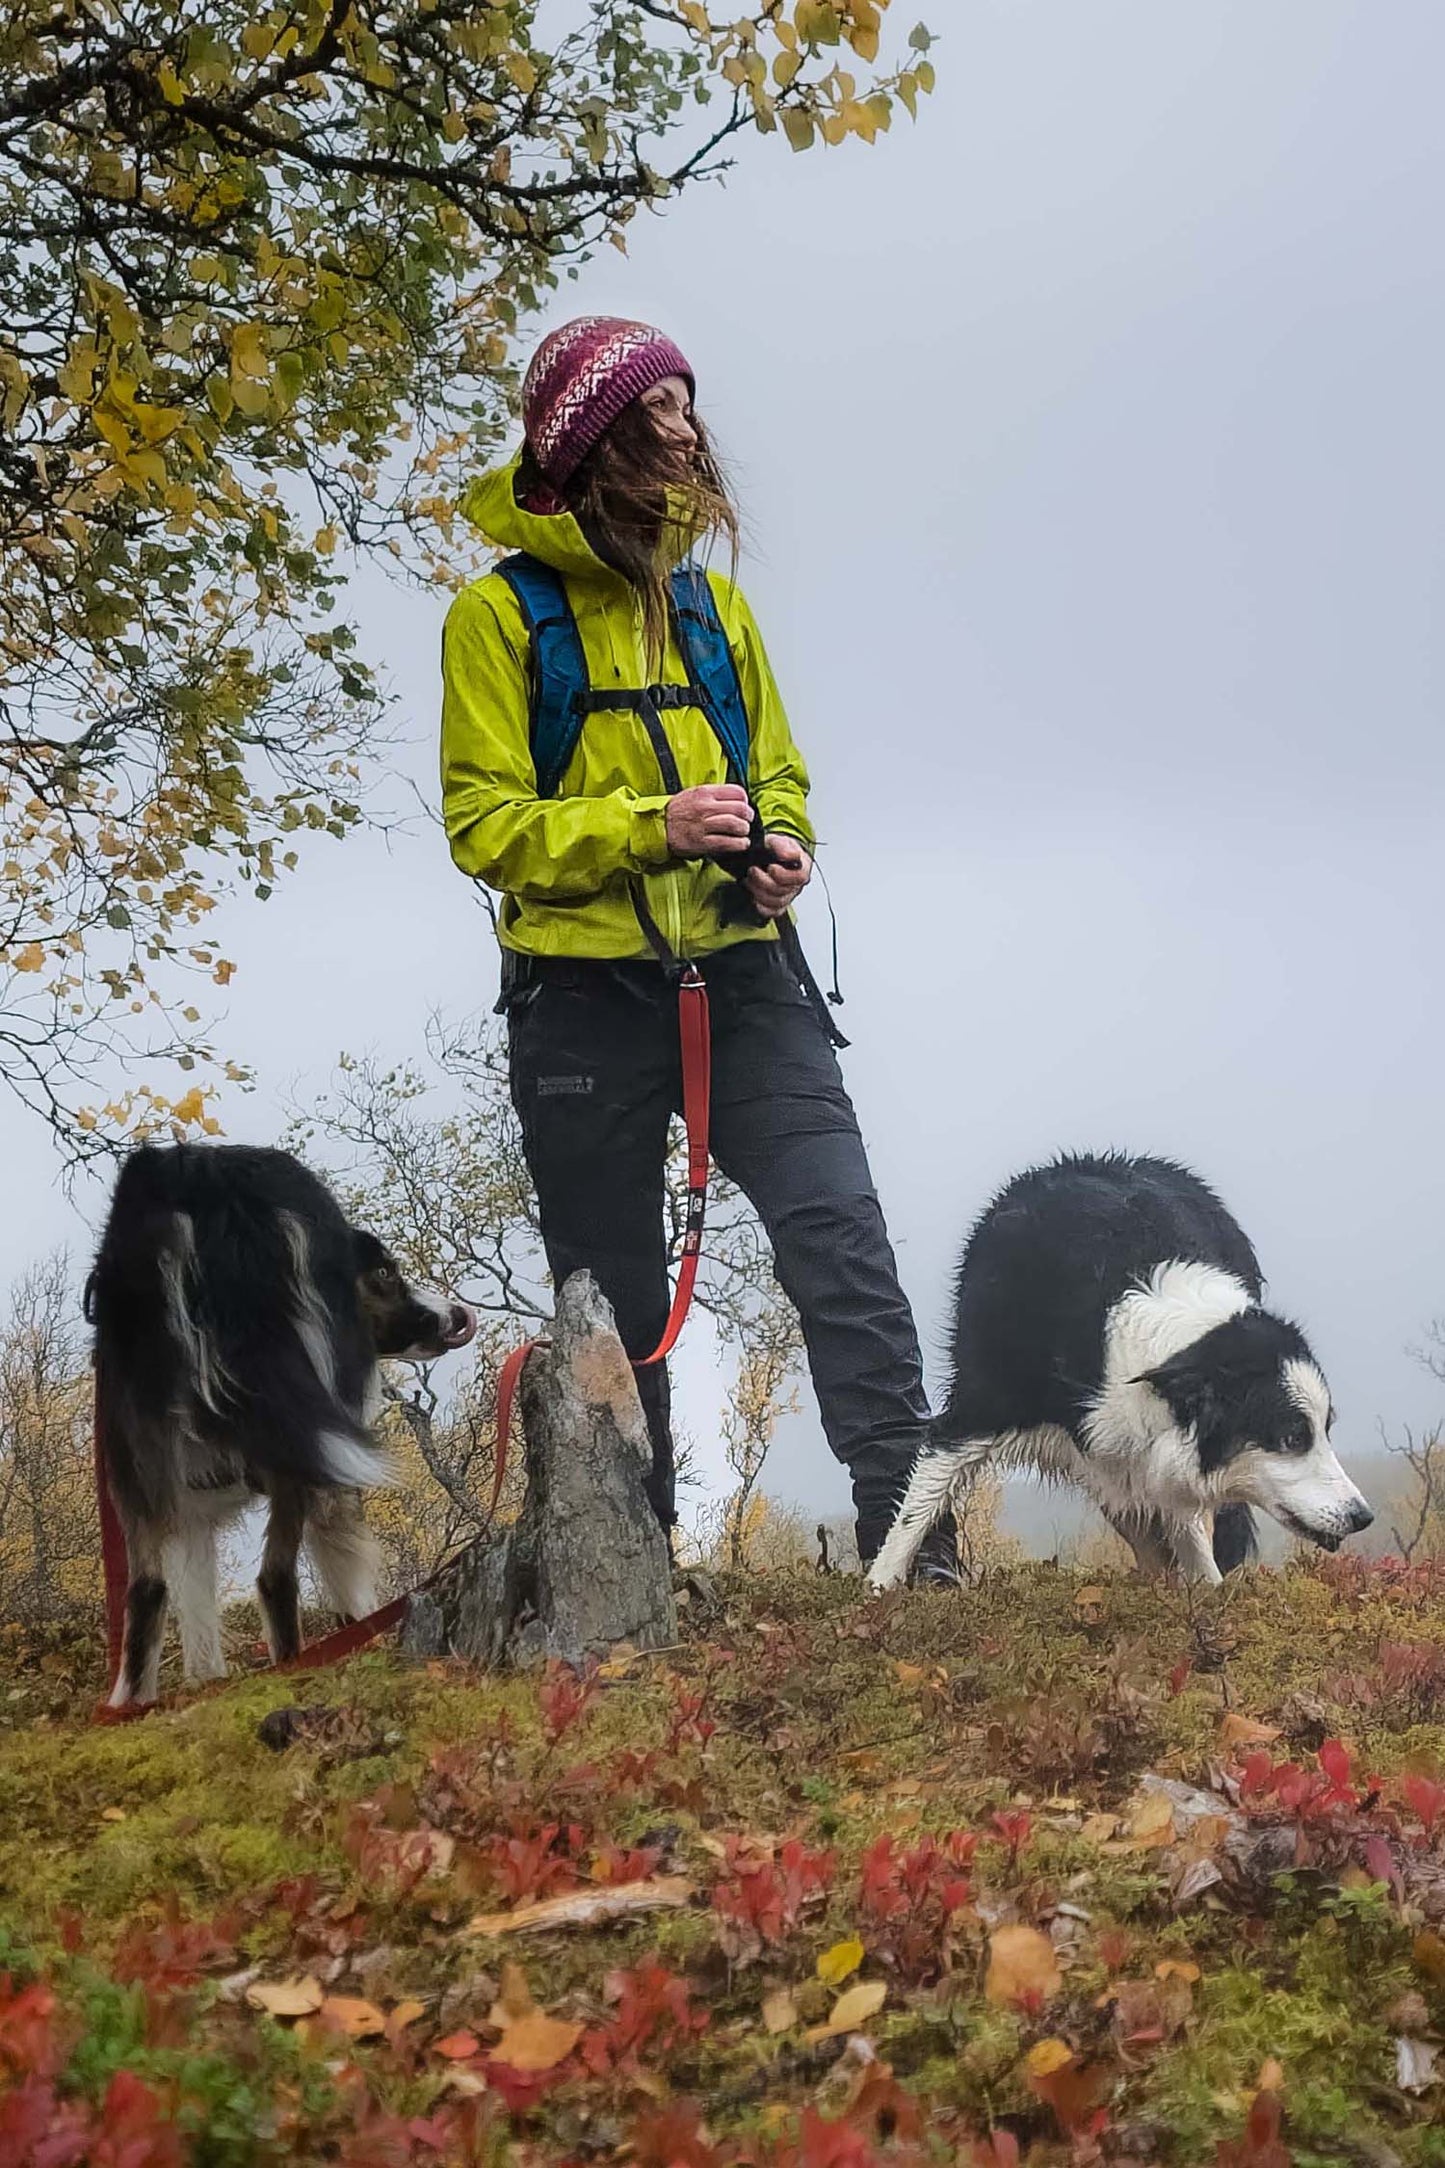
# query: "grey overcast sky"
1089,437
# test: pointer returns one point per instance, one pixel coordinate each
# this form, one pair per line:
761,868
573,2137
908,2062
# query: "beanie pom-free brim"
582,377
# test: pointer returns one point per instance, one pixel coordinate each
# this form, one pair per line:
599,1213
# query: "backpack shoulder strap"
711,671
560,683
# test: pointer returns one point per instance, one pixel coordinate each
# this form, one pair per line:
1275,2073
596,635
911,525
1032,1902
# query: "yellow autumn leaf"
537,2042
286,1998
1022,1967
780,2012
835,1965
248,351
1047,2056
30,958
1176,1968
359,2020
852,2009
1152,1822
191,1106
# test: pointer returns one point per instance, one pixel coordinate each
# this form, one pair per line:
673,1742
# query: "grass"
924,1776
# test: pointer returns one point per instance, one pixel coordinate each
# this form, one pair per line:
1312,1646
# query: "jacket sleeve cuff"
647,833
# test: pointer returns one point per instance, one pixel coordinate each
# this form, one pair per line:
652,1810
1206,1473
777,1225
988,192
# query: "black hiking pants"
596,1075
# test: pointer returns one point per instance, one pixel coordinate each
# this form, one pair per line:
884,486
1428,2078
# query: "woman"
605,807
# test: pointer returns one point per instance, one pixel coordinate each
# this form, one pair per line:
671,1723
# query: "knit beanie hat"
580,379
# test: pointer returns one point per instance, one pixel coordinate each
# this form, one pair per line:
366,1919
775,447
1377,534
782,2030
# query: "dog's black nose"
1360,1516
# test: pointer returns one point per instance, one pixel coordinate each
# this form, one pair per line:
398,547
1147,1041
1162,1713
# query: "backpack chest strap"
562,695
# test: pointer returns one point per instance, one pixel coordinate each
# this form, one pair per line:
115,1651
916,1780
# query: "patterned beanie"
580,379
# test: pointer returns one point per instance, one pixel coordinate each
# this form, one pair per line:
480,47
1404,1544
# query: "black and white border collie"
239,1320
1110,1333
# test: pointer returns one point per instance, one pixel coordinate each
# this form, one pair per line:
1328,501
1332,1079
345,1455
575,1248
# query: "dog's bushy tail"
1236,1539
229,1340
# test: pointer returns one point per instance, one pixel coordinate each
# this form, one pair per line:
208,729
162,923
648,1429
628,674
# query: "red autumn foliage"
673,2137
610,1864
566,1696
39,2129
176,1952
534,1862
1425,1800
30,2044
907,1897
1261,2146
654,2011
763,1893
1015,1826
689,1724
1309,1794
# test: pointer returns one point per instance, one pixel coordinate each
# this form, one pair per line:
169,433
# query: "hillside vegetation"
1053,1871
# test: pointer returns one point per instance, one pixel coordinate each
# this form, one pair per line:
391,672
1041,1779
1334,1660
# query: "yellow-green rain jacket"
563,865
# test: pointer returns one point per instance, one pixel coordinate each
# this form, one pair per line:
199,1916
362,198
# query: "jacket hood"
490,503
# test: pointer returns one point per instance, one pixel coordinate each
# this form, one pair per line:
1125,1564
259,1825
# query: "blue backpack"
563,695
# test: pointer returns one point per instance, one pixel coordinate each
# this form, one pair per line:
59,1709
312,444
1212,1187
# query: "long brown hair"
643,502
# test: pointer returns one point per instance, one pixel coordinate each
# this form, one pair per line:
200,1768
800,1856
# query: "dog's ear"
369,1254
1184,1381
1189,1389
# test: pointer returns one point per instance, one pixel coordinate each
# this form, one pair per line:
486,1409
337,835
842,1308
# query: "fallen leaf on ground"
1064,2084
852,2009
1271,2077
780,2012
1090,1603
1152,1822
286,1998
405,2014
587,1907
359,2020
537,2042
1237,1730
458,2047
1176,1968
1046,2057
112,1814
1099,1828
835,1965
1022,1966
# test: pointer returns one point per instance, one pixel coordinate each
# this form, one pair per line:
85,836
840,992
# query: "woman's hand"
709,821
775,888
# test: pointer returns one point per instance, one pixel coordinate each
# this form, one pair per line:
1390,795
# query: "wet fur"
238,1321
1110,1331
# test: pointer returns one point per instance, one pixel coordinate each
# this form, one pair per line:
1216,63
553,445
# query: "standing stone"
586,1565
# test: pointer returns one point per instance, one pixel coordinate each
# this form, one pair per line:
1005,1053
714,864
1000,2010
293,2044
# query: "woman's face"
668,406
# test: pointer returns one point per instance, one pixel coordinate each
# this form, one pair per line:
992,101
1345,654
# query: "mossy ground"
144,1867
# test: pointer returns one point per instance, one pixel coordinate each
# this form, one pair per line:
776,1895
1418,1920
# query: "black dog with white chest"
239,1321
1110,1332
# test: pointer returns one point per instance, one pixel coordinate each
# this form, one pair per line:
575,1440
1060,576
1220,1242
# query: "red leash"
695,1040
